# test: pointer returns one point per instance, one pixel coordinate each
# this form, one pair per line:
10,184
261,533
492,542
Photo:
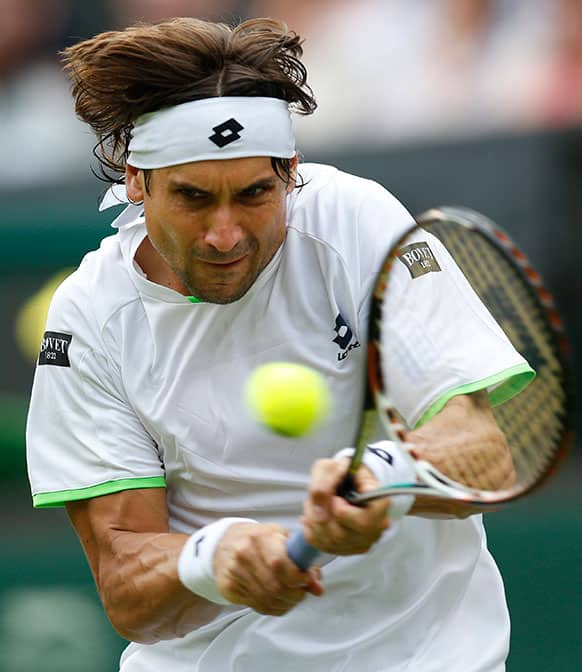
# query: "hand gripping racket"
537,422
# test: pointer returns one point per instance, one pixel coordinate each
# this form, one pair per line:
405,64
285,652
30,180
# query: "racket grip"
302,553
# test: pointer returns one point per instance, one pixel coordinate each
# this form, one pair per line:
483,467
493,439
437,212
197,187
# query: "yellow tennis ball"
30,321
289,399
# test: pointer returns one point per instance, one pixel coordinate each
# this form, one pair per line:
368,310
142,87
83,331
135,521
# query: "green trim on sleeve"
45,500
503,386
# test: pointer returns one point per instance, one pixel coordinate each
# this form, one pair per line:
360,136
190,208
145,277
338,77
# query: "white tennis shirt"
139,387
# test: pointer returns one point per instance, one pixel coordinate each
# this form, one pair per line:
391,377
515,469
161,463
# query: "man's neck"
156,269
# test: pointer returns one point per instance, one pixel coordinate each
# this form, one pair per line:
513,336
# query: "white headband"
213,128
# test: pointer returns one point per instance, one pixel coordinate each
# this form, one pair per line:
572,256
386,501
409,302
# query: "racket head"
538,421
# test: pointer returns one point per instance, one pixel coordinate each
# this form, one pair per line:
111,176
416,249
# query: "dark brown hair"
119,75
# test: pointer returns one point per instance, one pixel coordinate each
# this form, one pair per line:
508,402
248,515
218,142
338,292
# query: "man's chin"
220,295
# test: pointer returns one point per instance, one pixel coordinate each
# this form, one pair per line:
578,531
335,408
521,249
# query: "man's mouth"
226,263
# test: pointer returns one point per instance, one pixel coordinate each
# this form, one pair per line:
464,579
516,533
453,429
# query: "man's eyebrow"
178,184
267,181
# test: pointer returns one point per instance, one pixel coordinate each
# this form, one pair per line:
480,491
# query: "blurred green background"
448,102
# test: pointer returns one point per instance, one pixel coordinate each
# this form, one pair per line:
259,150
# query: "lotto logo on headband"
226,132
419,259
251,126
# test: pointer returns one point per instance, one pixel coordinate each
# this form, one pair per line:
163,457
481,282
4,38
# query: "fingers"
251,562
331,523
252,568
314,586
326,476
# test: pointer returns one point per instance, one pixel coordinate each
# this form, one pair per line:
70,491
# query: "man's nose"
223,232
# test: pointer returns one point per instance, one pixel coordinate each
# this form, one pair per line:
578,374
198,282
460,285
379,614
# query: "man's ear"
293,174
134,183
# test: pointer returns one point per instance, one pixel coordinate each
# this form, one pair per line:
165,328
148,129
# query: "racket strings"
536,422
480,464
533,422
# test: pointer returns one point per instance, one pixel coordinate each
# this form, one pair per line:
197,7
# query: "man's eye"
192,194
254,191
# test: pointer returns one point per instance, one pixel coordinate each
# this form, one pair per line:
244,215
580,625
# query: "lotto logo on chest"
344,338
419,259
54,349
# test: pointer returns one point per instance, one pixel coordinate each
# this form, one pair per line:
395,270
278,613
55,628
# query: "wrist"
385,459
196,560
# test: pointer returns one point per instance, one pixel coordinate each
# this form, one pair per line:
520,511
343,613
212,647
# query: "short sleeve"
441,341
382,220
83,438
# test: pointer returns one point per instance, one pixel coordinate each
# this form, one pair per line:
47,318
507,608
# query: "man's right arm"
134,560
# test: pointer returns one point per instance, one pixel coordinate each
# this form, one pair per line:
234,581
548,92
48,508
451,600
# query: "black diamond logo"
344,333
226,133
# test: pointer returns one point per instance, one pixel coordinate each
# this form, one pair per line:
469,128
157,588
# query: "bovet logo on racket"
418,259
54,349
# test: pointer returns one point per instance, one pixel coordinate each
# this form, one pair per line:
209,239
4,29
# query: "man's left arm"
466,423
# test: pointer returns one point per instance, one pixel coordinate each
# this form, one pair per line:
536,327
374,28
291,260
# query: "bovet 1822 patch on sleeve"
419,259
54,349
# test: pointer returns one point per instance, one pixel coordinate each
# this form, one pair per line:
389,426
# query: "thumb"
365,479
319,505
325,478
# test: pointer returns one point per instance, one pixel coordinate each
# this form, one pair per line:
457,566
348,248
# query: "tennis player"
230,254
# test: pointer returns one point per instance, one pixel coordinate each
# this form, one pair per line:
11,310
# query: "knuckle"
230,590
297,596
318,490
266,609
254,536
274,528
322,464
243,554
276,564
323,470
308,534
231,593
272,608
363,550
271,588
373,530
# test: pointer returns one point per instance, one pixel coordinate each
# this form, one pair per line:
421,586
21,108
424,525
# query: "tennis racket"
537,422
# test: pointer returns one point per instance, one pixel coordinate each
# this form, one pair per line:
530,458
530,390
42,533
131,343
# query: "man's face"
216,224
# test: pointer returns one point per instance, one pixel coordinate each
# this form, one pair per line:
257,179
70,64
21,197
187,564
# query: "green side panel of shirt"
46,500
502,387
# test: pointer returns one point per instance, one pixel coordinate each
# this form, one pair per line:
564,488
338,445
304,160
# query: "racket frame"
432,483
